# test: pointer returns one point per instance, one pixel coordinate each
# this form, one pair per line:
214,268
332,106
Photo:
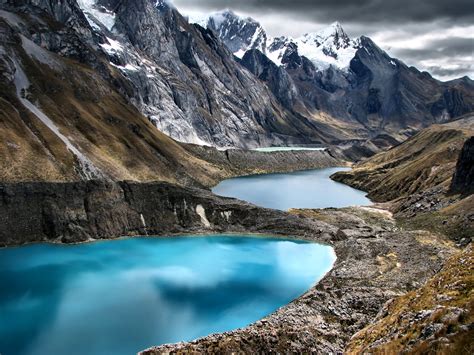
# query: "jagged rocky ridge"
351,83
239,34
187,83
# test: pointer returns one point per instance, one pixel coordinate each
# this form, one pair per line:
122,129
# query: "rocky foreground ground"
377,259
376,262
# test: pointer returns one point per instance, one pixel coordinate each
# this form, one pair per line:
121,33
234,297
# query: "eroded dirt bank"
83,211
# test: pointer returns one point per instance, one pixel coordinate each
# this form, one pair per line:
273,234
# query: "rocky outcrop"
463,179
277,78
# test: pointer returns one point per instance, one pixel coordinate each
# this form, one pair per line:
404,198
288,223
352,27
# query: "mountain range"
351,84
225,85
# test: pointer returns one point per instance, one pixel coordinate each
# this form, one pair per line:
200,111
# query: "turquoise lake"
301,189
122,296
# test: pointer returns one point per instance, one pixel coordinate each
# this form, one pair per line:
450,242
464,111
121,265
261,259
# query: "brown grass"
447,302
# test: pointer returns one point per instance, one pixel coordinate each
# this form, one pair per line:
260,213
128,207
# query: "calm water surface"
302,189
122,296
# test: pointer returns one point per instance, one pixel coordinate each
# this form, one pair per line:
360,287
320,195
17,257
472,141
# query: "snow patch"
112,47
330,46
98,13
240,53
128,67
202,213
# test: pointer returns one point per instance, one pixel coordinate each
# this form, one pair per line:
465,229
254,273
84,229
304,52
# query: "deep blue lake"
122,296
301,189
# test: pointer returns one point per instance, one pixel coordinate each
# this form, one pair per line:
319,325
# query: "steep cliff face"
463,179
180,76
83,211
210,96
66,99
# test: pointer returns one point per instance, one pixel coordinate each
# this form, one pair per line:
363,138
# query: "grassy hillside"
424,161
86,109
437,318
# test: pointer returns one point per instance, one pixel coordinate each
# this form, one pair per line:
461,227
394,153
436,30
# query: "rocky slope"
416,177
437,318
350,83
66,114
427,160
180,76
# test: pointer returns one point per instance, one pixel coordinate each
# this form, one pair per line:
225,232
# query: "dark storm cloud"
396,11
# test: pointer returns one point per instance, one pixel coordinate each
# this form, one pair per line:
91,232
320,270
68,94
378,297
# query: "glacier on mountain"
329,46
94,13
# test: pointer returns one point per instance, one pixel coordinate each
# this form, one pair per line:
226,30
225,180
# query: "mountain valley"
118,117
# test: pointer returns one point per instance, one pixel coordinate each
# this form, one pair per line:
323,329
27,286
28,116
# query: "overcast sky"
433,35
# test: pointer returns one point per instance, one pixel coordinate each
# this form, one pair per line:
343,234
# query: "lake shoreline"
78,211
236,266
312,188
346,299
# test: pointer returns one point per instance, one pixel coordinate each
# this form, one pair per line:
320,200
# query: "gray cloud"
446,73
442,48
382,11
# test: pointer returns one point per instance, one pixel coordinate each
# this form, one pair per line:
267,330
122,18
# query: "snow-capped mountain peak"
237,32
329,46
331,35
